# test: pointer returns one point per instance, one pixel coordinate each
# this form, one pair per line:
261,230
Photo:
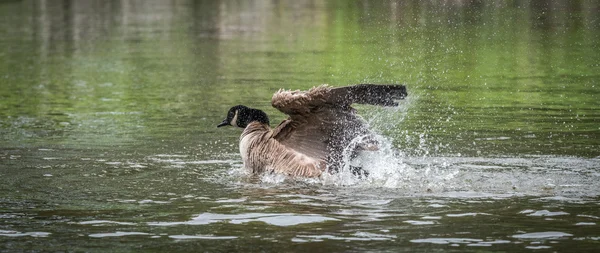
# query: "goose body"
312,140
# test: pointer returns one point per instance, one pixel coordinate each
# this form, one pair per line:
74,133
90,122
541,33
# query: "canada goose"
320,126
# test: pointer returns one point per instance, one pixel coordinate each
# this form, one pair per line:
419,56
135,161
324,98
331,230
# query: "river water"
108,114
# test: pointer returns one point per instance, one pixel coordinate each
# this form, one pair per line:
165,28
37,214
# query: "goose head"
241,116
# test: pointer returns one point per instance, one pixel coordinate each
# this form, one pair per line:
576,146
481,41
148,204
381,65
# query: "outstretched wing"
302,102
372,94
321,121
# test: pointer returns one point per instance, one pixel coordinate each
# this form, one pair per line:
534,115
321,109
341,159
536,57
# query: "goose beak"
224,123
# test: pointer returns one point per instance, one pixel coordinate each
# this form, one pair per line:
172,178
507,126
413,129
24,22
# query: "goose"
320,127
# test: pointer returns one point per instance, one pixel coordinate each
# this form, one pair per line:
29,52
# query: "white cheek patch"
234,120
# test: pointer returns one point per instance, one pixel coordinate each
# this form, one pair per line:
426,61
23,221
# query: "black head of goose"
321,125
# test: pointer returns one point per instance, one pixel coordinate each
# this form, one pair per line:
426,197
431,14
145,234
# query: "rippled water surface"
108,114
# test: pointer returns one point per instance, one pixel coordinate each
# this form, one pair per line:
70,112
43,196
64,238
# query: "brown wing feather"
306,129
303,136
321,122
298,103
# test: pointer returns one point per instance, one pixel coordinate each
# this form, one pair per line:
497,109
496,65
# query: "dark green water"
108,114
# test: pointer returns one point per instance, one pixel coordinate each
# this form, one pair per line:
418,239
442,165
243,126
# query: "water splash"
388,168
468,177
415,171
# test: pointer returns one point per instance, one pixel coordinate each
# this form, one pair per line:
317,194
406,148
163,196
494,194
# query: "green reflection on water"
477,71
92,93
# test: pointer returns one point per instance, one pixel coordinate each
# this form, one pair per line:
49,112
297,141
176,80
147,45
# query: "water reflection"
10,233
107,114
276,219
92,57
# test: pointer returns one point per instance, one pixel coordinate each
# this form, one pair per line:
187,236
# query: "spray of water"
388,168
416,171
